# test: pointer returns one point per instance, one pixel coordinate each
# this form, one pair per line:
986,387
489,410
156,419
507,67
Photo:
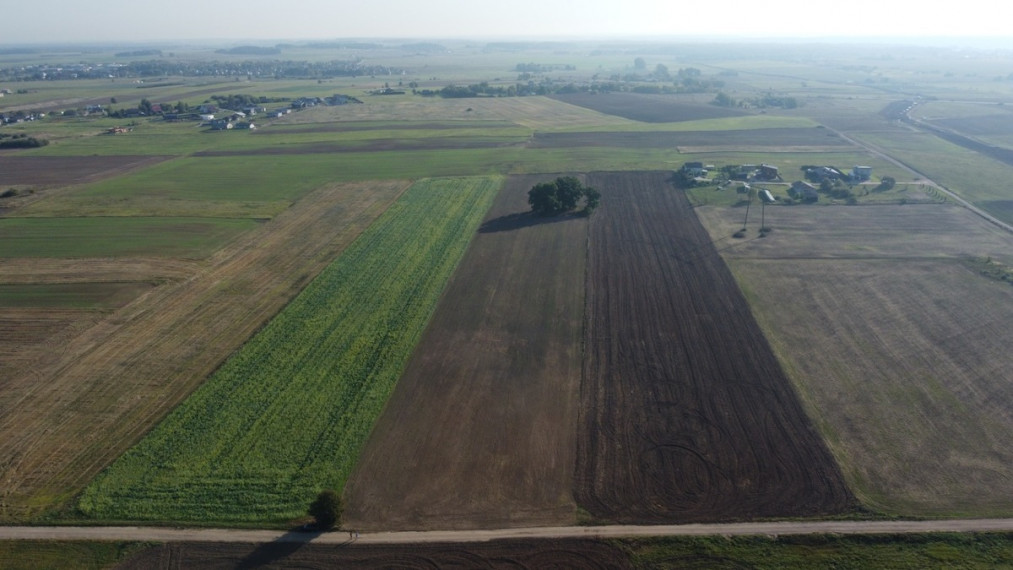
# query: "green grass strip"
288,414
930,550
117,236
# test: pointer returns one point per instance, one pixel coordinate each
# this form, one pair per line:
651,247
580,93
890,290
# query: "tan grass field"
533,112
90,394
899,350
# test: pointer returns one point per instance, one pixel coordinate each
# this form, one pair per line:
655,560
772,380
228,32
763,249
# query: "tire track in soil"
686,413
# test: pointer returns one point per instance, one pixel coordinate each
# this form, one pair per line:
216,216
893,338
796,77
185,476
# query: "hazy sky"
46,21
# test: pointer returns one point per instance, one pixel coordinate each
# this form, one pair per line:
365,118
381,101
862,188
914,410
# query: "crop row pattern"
288,414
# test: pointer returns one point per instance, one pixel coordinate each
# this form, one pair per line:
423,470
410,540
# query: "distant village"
229,112
239,117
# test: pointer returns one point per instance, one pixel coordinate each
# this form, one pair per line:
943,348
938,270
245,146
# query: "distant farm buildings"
803,191
767,172
694,169
821,173
861,173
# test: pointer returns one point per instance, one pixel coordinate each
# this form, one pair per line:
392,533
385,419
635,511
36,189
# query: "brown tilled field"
514,554
480,431
648,108
62,170
86,396
686,414
683,413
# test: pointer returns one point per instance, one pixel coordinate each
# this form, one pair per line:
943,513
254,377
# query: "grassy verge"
39,554
935,550
287,415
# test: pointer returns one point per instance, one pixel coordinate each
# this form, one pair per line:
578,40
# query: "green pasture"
287,415
887,551
66,555
91,296
976,178
262,185
116,237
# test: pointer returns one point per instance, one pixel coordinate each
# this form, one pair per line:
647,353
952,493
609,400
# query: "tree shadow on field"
520,220
276,552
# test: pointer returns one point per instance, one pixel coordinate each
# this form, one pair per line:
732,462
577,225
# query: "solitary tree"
561,195
327,509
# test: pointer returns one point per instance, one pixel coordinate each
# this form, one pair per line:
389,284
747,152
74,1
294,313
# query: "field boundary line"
461,536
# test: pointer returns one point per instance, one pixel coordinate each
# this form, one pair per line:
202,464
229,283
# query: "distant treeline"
141,53
543,67
549,87
241,101
250,50
174,68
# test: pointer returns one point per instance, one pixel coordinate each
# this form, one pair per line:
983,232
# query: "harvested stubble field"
532,112
898,347
85,397
287,415
480,432
686,415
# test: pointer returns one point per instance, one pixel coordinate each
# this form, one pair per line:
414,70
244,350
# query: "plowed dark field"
481,429
50,170
648,108
515,554
686,414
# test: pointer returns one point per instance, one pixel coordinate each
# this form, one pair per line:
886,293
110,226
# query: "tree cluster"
327,509
21,141
240,101
562,195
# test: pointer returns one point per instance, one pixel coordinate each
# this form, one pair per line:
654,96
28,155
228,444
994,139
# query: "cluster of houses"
744,172
800,190
20,117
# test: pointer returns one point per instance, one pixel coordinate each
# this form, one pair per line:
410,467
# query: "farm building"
744,172
766,196
767,172
861,173
821,173
803,191
221,125
694,168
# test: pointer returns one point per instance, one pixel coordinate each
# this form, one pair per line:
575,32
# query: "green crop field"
286,416
116,237
99,296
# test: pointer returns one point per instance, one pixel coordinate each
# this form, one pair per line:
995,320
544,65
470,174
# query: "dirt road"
154,534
